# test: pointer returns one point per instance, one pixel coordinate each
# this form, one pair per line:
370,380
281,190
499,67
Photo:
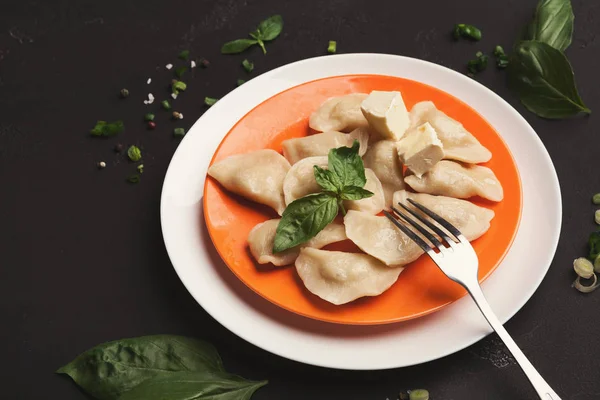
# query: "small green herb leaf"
135,178
134,153
270,28
303,219
355,193
542,77
240,82
109,370
328,181
248,66
149,117
209,101
103,128
180,71
237,46
165,104
203,385
594,244
552,23
466,31
184,55
347,165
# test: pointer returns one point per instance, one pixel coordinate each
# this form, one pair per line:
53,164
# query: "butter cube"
386,113
420,149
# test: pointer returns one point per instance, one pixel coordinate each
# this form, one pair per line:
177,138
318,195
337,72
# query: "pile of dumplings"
441,170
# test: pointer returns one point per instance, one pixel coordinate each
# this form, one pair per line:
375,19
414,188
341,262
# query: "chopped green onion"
103,128
179,132
149,117
502,61
248,66
240,82
583,267
209,101
466,31
180,71
165,104
419,394
177,86
597,265
596,199
478,54
184,55
332,48
140,168
135,178
586,289
134,153
499,51
478,64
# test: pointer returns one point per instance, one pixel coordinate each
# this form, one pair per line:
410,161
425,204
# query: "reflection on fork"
455,256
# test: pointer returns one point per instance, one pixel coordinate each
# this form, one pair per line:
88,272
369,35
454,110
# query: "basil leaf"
355,193
103,128
594,244
110,369
237,46
207,385
270,28
347,165
552,23
303,219
543,78
327,180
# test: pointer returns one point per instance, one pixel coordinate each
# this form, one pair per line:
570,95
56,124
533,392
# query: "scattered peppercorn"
118,148
176,115
204,63
124,93
101,165
151,124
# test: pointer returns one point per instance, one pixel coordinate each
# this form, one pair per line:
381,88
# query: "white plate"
273,329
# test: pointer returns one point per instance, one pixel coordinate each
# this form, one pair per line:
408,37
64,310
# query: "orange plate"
421,288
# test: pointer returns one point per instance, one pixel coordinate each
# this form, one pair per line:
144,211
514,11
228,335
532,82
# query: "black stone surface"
82,259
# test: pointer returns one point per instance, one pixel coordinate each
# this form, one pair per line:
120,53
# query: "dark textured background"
82,259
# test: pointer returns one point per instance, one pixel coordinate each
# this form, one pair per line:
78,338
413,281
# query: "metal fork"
460,263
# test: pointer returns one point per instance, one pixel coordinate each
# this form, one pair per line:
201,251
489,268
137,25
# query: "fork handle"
539,384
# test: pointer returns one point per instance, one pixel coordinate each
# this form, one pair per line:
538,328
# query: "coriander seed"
151,124
124,93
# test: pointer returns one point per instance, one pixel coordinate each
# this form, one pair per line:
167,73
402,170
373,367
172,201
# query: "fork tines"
431,232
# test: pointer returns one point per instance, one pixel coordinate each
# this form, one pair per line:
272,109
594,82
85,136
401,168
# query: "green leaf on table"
327,179
103,128
347,165
203,385
270,28
237,46
552,23
111,369
542,77
303,219
594,244
355,193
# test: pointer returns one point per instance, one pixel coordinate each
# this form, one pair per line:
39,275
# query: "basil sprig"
156,368
304,218
539,72
267,30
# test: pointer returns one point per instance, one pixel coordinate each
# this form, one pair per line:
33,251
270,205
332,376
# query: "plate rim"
551,245
368,323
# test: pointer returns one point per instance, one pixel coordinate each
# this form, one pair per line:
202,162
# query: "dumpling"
380,238
382,158
373,204
339,114
319,144
473,221
257,176
300,179
452,179
459,144
339,277
261,237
